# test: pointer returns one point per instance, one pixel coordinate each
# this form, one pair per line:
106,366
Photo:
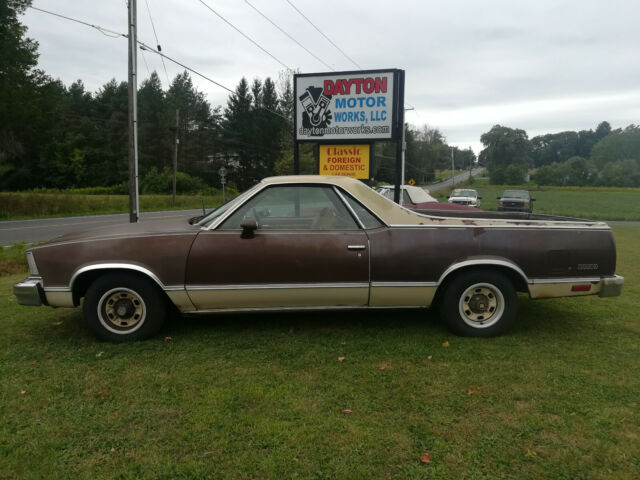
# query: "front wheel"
480,303
121,307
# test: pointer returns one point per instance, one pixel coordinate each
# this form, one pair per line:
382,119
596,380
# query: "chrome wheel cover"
121,311
481,305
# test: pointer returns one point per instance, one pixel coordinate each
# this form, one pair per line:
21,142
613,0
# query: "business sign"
345,160
346,106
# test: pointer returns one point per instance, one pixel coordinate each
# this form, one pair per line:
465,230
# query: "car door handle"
356,247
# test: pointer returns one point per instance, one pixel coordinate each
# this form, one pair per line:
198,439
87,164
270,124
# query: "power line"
245,35
320,31
290,37
146,64
145,47
153,26
104,31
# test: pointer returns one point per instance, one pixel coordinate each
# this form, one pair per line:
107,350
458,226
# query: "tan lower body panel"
181,299
212,299
402,296
59,299
561,289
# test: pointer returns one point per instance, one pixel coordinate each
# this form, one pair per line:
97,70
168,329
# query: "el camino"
319,242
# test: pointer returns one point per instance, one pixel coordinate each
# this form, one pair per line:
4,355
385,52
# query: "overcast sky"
543,66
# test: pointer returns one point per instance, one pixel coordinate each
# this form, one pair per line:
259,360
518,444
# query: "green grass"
261,396
584,202
17,206
13,259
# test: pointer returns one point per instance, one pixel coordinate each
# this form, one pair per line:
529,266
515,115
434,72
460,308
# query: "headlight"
33,268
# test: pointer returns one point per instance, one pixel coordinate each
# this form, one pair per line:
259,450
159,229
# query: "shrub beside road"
262,396
18,206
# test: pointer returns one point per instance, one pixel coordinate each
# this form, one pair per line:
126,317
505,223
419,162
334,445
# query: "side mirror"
498,198
479,198
533,199
249,226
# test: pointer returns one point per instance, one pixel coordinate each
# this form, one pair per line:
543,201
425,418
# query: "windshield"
211,216
464,193
516,194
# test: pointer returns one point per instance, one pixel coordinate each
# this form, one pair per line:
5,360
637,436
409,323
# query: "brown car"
318,242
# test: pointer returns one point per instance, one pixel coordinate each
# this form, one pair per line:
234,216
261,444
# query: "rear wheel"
479,303
121,307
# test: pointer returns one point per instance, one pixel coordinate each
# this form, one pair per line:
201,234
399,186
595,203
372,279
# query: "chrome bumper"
611,286
29,292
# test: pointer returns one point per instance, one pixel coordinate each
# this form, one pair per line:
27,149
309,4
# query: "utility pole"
134,201
453,178
404,146
175,157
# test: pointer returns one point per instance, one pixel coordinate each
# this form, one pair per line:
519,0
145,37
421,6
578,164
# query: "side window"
365,216
406,199
294,207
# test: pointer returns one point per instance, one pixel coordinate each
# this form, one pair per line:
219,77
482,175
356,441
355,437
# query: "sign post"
223,179
345,113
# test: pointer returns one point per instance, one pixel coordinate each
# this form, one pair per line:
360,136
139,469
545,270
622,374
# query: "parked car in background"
417,198
465,196
319,243
515,201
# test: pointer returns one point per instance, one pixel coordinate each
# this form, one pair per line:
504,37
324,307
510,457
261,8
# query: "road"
40,230
461,177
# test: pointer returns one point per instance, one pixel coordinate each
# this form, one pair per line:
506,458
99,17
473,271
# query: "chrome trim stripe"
115,237
483,261
296,309
356,247
404,284
119,266
536,281
173,288
274,286
541,226
57,289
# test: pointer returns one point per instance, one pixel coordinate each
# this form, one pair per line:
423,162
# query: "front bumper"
30,292
611,286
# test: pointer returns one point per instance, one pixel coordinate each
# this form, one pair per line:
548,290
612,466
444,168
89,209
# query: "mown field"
598,203
262,396
18,206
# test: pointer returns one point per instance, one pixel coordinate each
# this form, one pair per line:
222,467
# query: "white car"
465,196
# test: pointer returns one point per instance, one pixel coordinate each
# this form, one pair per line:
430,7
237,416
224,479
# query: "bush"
161,182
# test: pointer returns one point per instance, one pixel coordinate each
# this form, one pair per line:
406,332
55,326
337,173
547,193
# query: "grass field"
261,396
18,206
583,202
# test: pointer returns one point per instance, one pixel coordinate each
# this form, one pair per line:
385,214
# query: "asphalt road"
40,230
458,179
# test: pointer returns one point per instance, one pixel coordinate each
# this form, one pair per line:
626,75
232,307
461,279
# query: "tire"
121,307
479,303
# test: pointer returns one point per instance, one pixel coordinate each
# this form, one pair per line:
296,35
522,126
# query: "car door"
308,251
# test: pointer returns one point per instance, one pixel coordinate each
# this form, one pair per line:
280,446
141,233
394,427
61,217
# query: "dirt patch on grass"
11,267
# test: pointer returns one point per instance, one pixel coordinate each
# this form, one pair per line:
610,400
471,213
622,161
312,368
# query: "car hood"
119,230
463,199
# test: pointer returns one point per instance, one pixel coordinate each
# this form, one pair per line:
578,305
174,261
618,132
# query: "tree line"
58,136
603,156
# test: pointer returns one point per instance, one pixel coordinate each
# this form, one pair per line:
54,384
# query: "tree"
238,135
505,146
199,125
155,137
618,145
